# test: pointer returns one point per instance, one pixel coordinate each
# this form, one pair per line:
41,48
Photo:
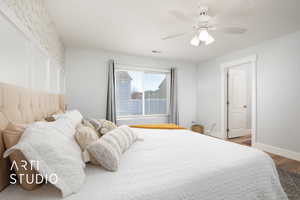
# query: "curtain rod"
140,67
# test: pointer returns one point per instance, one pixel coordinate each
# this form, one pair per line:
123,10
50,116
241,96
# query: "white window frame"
145,70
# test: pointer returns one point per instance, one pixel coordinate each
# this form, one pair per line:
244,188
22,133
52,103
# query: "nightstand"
198,128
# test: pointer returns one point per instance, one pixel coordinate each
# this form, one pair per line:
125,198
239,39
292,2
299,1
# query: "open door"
237,102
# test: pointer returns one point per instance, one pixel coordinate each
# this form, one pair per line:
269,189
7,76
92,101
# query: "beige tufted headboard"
23,106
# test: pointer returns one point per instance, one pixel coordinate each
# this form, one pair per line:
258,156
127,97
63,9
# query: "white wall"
278,91
86,81
24,64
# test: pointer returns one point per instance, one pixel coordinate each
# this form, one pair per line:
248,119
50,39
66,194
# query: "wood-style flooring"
281,162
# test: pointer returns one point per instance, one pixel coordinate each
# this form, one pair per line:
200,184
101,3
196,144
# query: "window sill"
142,117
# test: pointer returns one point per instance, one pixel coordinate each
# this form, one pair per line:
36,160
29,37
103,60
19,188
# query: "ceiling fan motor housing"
203,9
203,17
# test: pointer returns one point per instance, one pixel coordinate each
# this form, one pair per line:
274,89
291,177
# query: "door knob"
244,106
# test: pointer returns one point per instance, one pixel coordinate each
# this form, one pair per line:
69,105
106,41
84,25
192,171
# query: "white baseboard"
279,151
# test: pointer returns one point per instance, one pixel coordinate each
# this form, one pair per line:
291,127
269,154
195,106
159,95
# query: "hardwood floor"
244,140
281,162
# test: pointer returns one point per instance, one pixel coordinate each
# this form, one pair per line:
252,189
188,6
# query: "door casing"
224,68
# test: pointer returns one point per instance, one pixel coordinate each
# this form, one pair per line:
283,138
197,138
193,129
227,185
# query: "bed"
175,165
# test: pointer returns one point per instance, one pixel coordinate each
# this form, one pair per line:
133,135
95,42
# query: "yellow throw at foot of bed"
158,126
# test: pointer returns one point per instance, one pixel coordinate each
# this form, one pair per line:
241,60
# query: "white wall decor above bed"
32,18
31,54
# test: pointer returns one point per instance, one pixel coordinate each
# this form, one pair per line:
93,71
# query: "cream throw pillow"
16,127
85,136
87,123
96,124
108,149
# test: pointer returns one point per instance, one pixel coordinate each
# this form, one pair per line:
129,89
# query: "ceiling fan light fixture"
195,41
209,40
203,35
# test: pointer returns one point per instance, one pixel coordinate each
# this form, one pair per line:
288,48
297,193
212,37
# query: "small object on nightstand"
198,128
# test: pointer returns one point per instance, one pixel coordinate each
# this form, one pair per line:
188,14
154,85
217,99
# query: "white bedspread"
175,165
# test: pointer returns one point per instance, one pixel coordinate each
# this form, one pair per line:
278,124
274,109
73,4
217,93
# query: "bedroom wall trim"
279,151
224,67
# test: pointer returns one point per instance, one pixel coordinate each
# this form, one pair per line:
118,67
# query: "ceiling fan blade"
173,36
212,27
232,30
180,16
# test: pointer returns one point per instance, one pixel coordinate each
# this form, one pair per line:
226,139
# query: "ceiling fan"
205,23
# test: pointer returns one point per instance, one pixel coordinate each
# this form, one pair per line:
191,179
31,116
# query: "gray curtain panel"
111,93
173,110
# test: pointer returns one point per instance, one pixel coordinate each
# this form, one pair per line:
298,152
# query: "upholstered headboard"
23,106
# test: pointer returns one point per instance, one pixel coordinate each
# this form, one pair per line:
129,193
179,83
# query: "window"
142,93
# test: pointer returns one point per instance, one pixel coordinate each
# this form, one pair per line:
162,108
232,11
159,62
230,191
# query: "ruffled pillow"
102,126
106,126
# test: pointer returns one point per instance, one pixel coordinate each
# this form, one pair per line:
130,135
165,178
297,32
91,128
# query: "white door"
237,102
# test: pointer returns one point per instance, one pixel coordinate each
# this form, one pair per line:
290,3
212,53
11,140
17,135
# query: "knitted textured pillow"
108,149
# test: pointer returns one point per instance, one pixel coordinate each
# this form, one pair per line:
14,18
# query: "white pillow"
53,145
108,149
73,115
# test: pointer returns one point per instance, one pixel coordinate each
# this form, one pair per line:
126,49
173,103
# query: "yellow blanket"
158,126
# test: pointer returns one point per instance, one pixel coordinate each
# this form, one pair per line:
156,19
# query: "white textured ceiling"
136,26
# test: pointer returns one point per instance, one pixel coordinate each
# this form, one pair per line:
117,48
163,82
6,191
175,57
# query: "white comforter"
176,165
